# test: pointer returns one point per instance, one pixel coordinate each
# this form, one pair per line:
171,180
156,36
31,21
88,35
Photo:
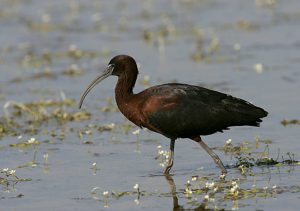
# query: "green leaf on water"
23,144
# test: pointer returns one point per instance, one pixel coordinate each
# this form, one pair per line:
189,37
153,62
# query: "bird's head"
118,66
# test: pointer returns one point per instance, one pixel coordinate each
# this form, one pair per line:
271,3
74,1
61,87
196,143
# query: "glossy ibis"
177,110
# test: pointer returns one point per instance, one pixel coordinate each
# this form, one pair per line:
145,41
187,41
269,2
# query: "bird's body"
177,110
183,111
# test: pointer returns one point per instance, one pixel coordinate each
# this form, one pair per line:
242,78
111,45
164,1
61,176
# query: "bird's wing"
180,110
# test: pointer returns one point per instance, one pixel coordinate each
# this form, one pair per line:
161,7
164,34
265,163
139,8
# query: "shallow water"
250,49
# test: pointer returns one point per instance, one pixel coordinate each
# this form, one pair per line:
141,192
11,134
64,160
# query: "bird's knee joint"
218,160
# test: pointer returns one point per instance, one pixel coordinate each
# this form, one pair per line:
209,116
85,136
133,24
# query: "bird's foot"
167,170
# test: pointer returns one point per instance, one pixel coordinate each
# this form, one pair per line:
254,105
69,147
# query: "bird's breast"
131,112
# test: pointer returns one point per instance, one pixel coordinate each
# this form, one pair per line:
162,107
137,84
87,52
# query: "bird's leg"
171,158
211,153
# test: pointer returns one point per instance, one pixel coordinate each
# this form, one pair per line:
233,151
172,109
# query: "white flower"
94,164
188,191
136,186
194,178
46,155
105,193
159,147
160,152
110,126
136,132
229,141
234,189
5,170
12,172
207,184
31,141
206,197
258,67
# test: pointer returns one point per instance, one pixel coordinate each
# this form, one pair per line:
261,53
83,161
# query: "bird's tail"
252,115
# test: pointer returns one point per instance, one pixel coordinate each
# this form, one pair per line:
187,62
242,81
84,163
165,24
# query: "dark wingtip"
260,112
264,113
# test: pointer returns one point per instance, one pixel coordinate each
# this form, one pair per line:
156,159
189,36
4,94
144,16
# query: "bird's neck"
124,88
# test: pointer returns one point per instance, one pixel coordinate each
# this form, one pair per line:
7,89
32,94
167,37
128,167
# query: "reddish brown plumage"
177,110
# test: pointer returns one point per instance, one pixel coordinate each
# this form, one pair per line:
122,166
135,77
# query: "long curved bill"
107,72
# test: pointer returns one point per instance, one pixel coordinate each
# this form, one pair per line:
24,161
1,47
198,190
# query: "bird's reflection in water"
172,185
176,206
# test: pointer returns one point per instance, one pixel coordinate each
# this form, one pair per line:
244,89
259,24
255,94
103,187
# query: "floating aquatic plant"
286,122
31,117
247,155
8,178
